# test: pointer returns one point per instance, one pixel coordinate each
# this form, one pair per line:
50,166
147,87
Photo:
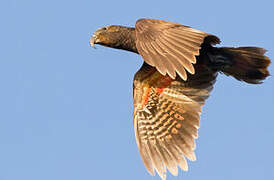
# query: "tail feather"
247,64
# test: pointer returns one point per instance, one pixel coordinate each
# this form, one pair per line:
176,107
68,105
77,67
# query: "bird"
178,73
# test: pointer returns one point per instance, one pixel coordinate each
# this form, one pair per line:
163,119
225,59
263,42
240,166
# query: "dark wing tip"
211,39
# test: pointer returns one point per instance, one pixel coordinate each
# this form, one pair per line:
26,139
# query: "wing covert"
170,47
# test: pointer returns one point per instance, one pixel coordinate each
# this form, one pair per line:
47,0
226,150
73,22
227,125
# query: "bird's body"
179,71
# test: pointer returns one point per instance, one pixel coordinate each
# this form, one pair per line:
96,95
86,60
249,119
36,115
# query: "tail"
247,64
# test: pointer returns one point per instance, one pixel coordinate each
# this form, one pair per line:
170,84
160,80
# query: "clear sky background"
66,109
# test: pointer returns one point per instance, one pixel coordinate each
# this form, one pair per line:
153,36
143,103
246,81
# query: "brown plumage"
180,69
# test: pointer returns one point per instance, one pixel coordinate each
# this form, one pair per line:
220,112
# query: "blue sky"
66,109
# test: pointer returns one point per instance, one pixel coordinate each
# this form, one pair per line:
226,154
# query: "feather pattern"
172,47
167,117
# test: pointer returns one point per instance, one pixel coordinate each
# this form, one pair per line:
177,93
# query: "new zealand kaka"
179,70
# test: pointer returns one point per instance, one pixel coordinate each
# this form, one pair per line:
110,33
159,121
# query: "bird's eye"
102,29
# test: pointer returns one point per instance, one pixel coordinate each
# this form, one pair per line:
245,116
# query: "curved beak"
92,40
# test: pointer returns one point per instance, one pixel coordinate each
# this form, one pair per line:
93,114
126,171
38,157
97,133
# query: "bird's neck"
128,40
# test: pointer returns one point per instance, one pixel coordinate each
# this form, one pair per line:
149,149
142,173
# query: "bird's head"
114,36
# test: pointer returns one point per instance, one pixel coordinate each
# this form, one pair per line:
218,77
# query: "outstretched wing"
167,117
170,47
